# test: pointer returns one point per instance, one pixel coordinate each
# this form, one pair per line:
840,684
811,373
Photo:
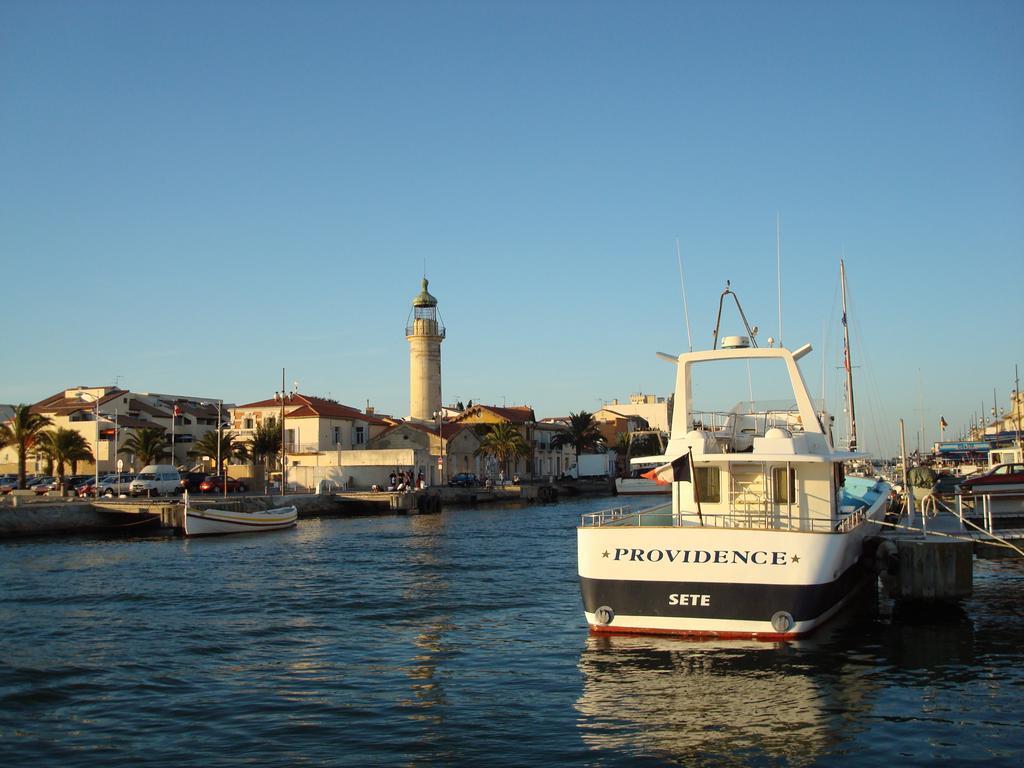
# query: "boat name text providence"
700,556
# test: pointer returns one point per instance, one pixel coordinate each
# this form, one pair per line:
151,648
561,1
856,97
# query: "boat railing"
759,520
613,516
986,504
756,423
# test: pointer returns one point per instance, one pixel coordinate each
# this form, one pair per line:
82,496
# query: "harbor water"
459,639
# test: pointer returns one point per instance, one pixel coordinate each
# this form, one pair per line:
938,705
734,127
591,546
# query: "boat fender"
887,559
422,504
553,495
604,615
544,494
782,621
435,504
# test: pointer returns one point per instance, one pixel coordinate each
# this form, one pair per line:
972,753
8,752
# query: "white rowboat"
205,522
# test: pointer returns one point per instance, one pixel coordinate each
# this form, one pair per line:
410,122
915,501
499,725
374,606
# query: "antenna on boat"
682,287
751,333
778,269
846,363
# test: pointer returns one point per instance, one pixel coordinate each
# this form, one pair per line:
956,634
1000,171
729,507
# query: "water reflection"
428,586
679,699
745,701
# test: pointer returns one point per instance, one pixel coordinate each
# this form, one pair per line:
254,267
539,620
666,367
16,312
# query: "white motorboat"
207,522
638,485
764,534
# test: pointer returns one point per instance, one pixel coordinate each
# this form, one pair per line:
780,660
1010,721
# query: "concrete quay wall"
34,519
54,517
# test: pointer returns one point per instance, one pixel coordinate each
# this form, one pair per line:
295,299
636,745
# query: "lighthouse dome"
424,299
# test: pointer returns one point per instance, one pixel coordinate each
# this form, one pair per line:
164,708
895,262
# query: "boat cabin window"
784,488
709,484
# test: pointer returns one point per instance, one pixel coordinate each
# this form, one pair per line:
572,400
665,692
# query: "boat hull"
717,581
209,522
634,486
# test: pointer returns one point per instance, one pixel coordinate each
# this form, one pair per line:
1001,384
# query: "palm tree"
63,446
582,434
623,449
265,443
631,444
80,451
504,442
229,447
23,431
148,445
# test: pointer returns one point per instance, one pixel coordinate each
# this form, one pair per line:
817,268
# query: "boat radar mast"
732,342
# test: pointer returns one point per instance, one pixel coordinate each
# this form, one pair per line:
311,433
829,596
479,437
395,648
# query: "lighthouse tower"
424,332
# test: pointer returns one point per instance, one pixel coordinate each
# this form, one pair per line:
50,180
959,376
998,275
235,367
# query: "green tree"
230,447
149,445
629,445
64,446
582,434
504,442
23,431
265,444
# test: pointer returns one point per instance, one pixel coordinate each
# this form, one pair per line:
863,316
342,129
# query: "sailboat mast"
847,364
1016,409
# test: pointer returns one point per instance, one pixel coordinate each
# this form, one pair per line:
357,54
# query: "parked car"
1002,477
191,481
215,484
946,484
41,484
156,480
110,485
463,480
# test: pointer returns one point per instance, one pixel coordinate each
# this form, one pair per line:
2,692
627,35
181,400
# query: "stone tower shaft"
424,332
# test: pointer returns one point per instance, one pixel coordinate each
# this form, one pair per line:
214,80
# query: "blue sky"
197,194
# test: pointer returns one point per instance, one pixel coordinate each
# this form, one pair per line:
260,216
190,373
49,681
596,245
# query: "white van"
156,480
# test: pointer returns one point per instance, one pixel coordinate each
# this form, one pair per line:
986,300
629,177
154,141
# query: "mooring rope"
999,539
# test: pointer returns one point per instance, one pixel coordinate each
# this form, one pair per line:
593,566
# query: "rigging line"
750,387
853,319
778,267
1003,542
682,288
831,324
876,403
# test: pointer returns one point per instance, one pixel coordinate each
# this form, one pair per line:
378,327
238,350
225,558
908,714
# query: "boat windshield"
739,400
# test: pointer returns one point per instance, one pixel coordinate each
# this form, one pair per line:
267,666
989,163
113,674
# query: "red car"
1002,477
214,484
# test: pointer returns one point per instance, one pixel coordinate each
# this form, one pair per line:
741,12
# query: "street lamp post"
439,415
107,416
283,396
96,457
221,469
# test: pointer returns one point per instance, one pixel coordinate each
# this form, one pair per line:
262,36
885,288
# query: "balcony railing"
305,448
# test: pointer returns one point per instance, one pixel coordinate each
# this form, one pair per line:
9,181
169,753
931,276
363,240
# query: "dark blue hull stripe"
739,602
